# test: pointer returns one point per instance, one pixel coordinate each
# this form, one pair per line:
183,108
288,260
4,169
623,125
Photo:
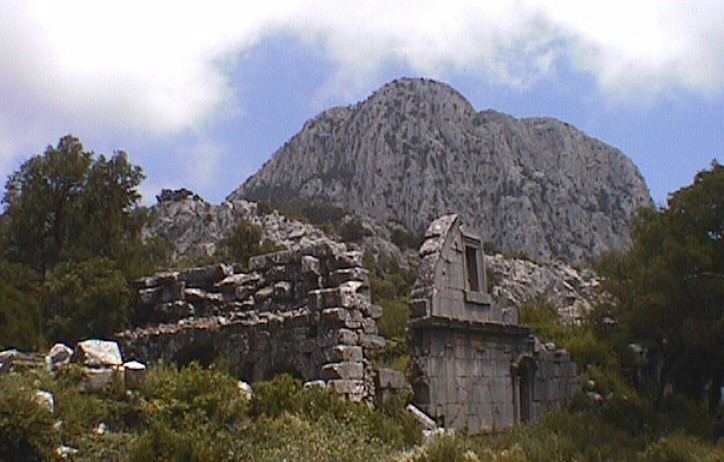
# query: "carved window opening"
472,262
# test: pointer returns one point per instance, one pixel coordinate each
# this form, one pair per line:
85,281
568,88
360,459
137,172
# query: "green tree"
83,299
670,287
66,204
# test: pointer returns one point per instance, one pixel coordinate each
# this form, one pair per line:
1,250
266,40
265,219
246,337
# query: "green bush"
274,397
26,428
353,230
679,447
244,241
405,239
285,394
191,443
211,396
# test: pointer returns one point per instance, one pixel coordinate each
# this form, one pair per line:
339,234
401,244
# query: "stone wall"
462,374
556,380
306,312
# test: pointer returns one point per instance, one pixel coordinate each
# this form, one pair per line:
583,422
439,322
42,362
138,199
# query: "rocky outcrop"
194,227
416,149
572,291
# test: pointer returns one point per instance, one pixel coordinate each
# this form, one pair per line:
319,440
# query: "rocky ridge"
194,227
416,149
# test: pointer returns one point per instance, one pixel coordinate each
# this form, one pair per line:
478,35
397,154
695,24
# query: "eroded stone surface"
305,312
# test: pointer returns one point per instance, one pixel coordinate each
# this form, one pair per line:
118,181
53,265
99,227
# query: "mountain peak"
416,149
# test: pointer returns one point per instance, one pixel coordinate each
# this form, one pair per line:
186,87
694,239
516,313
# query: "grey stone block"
347,370
340,353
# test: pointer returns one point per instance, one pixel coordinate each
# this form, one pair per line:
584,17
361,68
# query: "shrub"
192,443
274,397
405,239
679,447
244,241
211,396
26,428
264,207
395,314
353,230
285,395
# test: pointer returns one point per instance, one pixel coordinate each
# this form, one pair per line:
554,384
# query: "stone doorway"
524,374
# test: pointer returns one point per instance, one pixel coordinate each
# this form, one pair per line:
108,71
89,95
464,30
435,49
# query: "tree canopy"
70,240
670,286
67,204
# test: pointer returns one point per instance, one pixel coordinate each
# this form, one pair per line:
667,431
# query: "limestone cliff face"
416,149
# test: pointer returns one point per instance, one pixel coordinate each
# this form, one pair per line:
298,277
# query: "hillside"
416,149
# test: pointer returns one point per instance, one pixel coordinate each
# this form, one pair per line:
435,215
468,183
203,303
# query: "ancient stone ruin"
305,312
474,367
308,312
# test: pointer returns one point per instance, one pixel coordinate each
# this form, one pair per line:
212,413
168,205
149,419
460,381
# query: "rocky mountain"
417,149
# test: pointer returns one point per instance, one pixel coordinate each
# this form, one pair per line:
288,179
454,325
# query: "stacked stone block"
306,312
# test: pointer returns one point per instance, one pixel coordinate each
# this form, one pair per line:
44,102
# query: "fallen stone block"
425,421
315,383
95,352
134,374
264,262
96,379
230,283
59,355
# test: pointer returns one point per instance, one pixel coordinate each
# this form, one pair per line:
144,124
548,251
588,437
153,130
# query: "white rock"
45,400
245,389
65,452
59,355
96,352
423,419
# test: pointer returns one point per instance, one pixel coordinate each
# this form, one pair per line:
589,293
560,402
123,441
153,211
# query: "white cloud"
159,67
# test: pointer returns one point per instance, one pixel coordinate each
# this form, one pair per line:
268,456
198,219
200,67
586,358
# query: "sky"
201,94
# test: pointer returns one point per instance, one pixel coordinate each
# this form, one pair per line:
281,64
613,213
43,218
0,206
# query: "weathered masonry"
304,312
474,367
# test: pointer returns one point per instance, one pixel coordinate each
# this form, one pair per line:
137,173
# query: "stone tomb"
474,367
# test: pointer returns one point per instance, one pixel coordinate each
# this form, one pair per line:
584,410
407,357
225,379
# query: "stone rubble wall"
306,312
